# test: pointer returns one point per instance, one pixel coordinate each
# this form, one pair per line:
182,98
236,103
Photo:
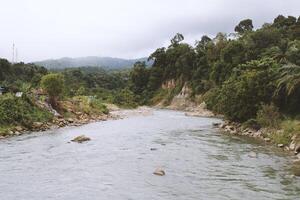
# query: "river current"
119,161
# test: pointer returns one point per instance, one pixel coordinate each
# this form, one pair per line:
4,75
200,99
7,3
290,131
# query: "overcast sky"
43,29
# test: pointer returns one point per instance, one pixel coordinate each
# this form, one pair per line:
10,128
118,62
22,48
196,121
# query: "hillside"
92,61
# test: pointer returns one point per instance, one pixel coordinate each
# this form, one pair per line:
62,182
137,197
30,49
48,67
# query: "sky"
50,29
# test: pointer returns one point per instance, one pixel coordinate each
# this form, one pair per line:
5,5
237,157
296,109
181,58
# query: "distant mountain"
91,61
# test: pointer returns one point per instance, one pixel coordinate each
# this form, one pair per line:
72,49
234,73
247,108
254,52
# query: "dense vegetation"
237,74
80,90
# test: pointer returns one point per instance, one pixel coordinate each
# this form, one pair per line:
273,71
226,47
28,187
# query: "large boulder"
81,139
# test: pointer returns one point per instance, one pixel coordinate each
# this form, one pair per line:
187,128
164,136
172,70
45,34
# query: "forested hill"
91,61
238,75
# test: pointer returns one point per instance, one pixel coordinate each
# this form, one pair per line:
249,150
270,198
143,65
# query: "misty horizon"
129,29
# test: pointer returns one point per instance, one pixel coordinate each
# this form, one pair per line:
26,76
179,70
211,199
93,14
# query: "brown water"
200,163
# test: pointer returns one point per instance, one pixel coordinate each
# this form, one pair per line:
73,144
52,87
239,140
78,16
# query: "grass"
289,128
4,129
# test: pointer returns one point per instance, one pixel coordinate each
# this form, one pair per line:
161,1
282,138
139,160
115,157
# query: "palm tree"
289,80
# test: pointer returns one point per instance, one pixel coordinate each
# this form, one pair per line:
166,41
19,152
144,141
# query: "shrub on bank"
23,111
268,116
89,105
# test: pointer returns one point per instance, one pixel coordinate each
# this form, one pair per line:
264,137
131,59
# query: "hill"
91,61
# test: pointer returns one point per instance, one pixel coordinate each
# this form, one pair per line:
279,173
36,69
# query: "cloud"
128,28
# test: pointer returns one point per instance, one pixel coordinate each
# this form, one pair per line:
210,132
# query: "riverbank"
74,112
78,119
263,134
54,124
198,108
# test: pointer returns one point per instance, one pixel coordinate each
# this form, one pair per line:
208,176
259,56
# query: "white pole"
13,54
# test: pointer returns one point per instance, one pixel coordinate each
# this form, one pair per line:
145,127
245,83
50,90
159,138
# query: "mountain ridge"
90,61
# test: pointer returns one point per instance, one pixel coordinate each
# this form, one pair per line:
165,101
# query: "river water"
118,163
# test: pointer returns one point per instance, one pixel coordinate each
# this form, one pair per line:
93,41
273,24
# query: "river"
118,163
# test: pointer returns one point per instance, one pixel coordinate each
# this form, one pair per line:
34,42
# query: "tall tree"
244,26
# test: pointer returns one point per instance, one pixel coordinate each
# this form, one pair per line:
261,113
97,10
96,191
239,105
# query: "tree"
241,96
139,76
177,39
53,84
288,88
244,26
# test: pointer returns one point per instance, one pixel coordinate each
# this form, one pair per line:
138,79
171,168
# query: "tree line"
237,74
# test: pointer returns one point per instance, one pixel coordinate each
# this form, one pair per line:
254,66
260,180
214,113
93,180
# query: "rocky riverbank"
57,123
79,119
264,135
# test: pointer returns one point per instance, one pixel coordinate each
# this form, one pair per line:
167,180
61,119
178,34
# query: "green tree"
177,39
244,26
139,76
53,84
252,84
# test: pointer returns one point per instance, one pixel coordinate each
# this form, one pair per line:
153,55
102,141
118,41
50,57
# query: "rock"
280,145
1,137
297,149
286,148
80,139
153,149
292,145
18,128
216,125
37,125
267,139
223,126
70,120
252,154
159,172
17,133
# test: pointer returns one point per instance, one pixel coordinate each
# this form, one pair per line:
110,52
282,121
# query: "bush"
125,98
89,105
99,106
252,123
14,110
53,84
268,116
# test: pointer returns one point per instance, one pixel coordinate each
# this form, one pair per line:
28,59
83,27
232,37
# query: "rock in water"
81,138
159,172
252,154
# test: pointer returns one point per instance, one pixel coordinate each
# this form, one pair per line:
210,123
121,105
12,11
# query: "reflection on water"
118,163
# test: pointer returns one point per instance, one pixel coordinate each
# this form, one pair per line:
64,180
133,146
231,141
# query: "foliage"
14,110
125,98
89,105
53,84
268,116
21,73
289,128
244,26
240,96
252,123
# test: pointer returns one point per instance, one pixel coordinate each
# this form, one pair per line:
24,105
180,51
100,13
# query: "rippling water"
117,163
